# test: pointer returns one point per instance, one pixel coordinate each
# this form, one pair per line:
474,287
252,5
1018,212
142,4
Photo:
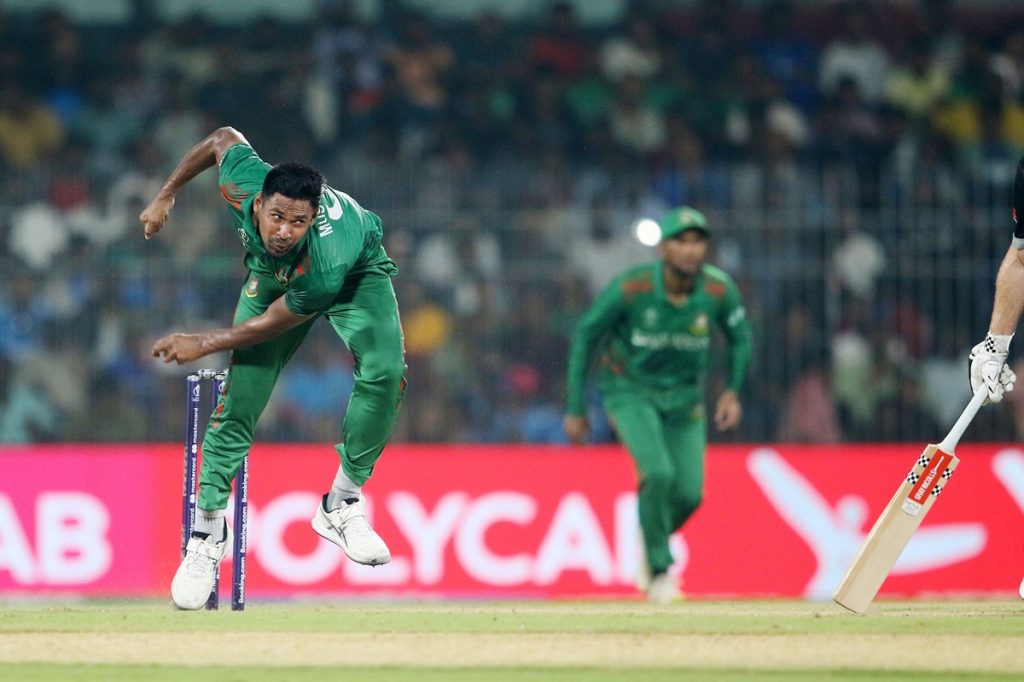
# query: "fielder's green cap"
682,219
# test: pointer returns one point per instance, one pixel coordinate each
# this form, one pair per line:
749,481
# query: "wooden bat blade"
894,527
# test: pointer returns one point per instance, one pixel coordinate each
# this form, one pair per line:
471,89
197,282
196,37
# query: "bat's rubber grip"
948,443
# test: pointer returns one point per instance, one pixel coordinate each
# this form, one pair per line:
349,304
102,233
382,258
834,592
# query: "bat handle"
948,443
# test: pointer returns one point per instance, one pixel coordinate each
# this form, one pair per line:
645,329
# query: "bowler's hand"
181,348
155,215
728,411
576,428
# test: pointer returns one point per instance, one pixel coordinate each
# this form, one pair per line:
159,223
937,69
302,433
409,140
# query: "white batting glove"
988,367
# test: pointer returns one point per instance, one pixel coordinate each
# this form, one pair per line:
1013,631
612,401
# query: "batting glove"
988,367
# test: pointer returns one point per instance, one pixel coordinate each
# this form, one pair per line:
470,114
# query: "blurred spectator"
105,127
60,64
902,416
547,126
636,53
685,176
636,126
864,375
21,320
1008,64
942,24
809,412
985,113
859,259
855,55
30,132
426,325
941,375
560,46
181,123
708,46
992,157
185,47
37,235
26,415
763,110
349,67
916,84
606,248
850,128
786,55
487,52
422,63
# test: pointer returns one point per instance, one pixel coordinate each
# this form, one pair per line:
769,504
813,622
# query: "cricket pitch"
541,640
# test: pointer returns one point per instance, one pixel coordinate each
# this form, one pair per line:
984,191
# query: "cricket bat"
903,515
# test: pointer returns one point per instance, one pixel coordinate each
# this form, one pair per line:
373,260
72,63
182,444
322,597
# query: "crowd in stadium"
509,160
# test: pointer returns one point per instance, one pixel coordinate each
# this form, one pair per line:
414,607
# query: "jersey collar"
659,283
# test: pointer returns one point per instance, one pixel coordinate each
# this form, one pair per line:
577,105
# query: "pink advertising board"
510,521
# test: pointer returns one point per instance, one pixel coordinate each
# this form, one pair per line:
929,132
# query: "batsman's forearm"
1009,301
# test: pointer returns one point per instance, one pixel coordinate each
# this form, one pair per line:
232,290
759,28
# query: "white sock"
342,489
211,522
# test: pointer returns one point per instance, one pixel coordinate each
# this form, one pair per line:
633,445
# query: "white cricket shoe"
663,589
1021,590
194,579
347,528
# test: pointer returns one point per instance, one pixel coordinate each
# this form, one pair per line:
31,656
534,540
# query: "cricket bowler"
651,329
311,251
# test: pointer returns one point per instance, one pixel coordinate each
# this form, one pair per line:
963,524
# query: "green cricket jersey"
648,343
344,238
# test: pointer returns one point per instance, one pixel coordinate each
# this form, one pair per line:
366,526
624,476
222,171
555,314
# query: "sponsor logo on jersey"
667,340
716,289
700,325
332,204
282,275
252,289
331,209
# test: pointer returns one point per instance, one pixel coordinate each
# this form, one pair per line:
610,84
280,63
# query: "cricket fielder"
311,251
652,329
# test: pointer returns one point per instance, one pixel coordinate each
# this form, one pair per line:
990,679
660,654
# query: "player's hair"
295,181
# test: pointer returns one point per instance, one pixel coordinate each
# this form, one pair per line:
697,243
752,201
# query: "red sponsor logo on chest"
715,289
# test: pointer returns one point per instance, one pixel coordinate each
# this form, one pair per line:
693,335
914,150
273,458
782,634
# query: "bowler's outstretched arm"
184,348
206,154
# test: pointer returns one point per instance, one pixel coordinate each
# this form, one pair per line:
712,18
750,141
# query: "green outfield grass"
700,640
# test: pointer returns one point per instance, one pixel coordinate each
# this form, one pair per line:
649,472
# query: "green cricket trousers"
365,316
668,450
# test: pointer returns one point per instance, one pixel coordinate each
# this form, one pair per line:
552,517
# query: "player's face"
685,252
282,222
